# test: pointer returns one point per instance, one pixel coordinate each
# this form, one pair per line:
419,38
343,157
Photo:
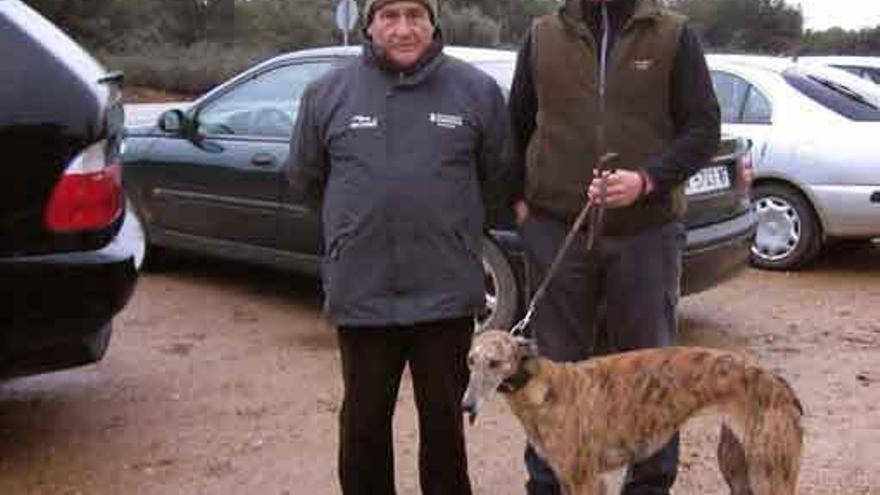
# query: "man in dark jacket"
628,77
402,150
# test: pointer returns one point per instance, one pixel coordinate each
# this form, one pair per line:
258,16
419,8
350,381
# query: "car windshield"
844,93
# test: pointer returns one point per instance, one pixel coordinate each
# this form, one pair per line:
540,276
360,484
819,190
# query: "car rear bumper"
717,252
54,308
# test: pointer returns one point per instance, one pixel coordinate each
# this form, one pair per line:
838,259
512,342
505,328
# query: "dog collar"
515,382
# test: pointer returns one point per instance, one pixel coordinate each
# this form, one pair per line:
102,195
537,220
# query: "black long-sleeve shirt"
695,112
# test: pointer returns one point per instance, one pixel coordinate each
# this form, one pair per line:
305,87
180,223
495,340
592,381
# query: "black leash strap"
595,223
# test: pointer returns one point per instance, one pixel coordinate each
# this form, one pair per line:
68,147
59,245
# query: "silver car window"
265,105
732,92
757,108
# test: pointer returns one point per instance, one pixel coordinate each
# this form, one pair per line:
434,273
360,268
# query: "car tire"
502,293
788,235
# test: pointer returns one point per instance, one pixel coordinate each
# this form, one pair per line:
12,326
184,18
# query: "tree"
468,25
837,41
763,26
220,21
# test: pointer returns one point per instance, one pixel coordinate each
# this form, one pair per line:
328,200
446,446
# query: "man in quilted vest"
599,76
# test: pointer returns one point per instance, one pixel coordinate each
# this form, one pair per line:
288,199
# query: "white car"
864,67
815,132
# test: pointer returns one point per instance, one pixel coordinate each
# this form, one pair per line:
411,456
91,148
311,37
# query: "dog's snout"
469,405
471,410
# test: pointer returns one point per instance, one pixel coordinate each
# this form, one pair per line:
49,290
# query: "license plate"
707,180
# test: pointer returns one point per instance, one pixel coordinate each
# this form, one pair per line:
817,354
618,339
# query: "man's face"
403,30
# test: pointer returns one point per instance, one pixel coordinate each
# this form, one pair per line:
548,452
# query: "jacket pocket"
467,246
457,153
334,250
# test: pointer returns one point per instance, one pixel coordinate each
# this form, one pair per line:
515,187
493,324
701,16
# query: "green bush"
188,70
468,25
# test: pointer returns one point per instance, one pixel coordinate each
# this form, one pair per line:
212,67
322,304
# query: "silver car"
815,153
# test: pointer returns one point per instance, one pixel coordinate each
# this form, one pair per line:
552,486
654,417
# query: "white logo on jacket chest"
363,122
643,64
446,121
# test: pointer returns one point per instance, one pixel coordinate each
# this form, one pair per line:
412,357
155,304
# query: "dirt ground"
224,379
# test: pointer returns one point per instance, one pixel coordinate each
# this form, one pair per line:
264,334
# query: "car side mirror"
172,121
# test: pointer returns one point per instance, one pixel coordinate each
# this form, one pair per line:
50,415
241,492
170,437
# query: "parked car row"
63,272
209,178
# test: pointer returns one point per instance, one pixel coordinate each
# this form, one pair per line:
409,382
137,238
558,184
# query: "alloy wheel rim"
779,229
491,297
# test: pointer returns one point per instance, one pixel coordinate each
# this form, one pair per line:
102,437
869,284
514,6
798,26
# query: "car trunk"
709,200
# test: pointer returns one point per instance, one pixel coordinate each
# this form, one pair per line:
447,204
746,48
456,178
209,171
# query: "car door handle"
263,159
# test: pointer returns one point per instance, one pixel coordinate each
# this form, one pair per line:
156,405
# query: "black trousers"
373,359
621,296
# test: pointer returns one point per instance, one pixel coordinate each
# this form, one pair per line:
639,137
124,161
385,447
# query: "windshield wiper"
840,88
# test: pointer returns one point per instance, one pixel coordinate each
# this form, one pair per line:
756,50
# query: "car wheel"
788,234
502,294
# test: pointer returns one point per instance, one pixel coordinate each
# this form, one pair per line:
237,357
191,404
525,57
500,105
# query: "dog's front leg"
584,479
594,485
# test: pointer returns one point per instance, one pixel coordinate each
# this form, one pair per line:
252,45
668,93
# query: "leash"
596,220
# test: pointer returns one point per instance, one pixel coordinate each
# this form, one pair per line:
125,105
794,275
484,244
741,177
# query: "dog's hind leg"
773,451
732,462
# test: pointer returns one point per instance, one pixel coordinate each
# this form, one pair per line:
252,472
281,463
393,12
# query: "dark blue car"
210,179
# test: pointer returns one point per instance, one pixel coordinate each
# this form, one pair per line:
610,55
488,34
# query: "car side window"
265,105
872,75
741,102
757,109
731,92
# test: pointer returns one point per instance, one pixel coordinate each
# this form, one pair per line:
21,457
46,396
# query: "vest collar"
572,13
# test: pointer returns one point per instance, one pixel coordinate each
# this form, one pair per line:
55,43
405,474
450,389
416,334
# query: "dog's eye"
494,364
471,361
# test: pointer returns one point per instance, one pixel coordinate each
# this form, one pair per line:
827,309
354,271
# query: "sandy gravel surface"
223,379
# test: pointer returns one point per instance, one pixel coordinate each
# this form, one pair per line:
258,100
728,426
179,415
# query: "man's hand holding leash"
623,187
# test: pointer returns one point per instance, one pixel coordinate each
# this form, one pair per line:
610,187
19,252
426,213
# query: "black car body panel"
59,289
54,307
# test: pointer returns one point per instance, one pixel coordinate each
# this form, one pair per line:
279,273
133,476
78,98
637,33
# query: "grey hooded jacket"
404,168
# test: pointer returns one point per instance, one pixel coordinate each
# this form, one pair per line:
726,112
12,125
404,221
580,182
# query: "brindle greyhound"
597,416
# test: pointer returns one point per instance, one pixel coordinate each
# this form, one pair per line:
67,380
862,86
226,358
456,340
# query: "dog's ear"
527,351
526,347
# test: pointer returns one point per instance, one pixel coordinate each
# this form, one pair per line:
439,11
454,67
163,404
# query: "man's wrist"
647,184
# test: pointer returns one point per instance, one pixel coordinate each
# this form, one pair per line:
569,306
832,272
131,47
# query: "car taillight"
88,195
746,172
